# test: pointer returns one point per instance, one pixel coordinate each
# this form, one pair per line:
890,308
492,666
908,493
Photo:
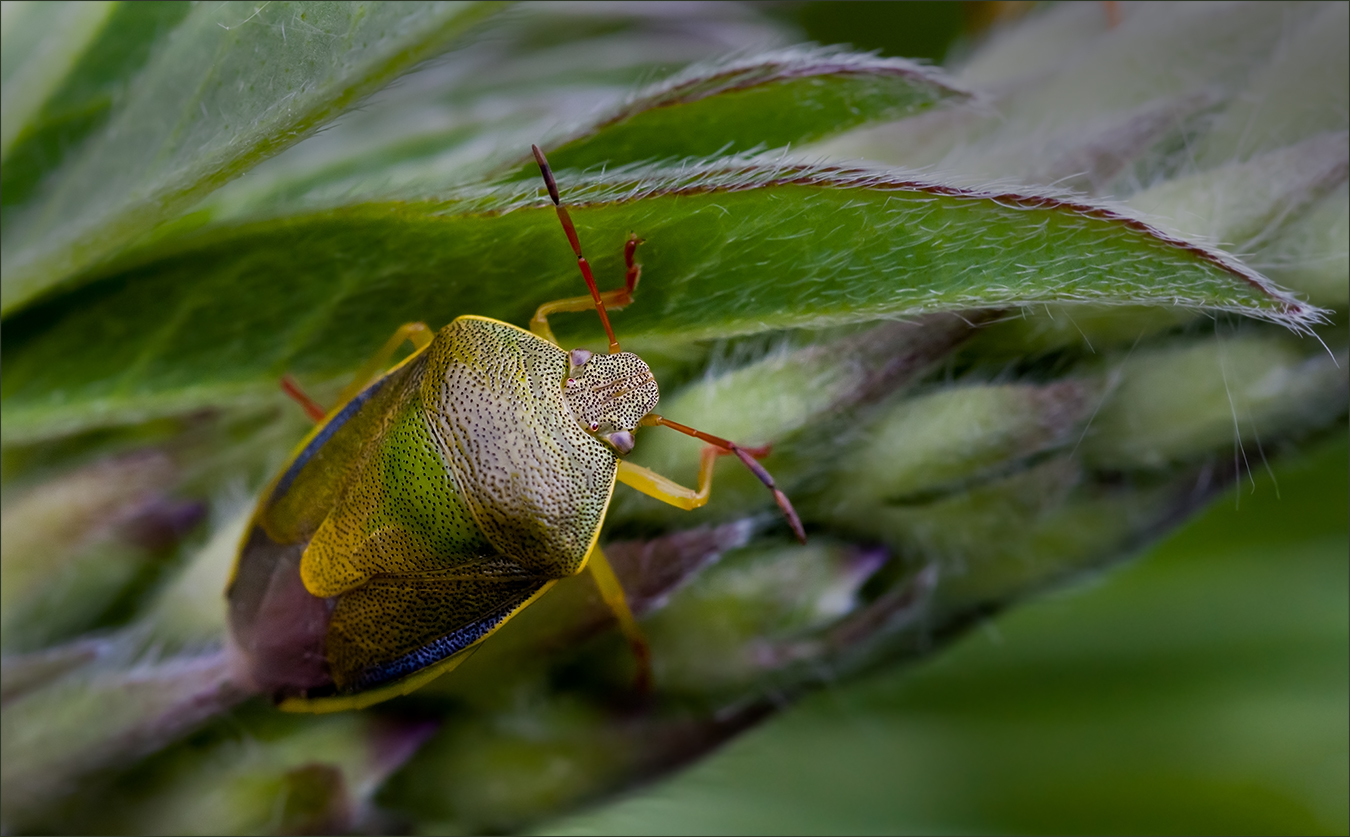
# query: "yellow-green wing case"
277,624
420,517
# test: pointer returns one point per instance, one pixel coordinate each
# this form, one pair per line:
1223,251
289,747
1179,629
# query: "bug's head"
610,394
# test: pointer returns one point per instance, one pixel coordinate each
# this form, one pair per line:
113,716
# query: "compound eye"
622,441
579,357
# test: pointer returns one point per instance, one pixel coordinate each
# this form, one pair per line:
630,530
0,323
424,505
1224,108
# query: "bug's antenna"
576,245
749,461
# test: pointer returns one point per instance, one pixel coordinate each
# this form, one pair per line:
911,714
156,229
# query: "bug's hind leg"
613,299
612,592
416,333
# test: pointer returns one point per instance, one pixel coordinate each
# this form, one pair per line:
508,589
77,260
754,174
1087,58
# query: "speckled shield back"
399,511
364,565
536,483
420,517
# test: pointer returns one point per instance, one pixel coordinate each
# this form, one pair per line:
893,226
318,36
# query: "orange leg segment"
312,408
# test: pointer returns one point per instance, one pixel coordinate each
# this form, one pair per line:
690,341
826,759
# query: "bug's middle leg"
616,299
416,333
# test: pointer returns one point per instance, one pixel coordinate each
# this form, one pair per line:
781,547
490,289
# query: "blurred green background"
1201,689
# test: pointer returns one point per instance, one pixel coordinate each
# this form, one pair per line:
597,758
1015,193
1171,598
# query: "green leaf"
84,101
231,85
771,100
1044,41
217,318
477,109
1057,84
1239,391
1312,253
1168,52
945,441
42,43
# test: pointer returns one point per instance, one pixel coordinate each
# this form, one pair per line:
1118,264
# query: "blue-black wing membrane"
396,625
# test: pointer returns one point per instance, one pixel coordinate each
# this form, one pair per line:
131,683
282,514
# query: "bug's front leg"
654,485
416,333
613,299
667,491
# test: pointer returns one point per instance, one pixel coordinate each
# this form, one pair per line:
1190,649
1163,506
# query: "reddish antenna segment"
572,239
748,459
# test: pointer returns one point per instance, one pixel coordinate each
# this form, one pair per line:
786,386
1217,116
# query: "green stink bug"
438,500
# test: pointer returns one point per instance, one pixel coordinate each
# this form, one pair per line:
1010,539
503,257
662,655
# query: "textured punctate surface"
449,493
306,491
535,482
389,534
155,156
612,390
395,626
399,512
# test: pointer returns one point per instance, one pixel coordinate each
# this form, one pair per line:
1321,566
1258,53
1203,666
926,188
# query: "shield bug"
443,496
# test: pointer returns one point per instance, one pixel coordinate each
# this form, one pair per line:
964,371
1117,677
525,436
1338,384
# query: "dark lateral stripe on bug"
438,649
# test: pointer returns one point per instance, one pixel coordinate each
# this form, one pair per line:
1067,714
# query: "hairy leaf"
85,98
1301,92
1069,99
232,85
1244,204
770,101
219,317
1312,252
477,109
